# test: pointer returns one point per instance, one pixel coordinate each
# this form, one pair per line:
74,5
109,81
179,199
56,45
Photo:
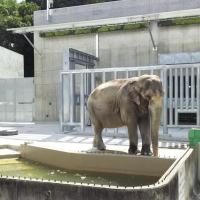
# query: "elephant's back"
108,89
102,104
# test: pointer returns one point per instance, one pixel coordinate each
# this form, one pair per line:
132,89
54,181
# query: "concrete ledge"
8,153
112,163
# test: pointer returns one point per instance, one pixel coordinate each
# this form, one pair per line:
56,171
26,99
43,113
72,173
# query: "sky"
18,1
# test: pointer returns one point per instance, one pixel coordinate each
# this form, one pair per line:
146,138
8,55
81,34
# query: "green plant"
134,26
180,21
82,31
103,28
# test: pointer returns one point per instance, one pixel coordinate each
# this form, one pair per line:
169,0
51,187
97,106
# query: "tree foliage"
13,15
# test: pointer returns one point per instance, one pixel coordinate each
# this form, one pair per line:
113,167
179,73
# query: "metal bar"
82,103
97,44
47,7
61,106
192,87
186,88
198,96
71,96
181,88
103,77
127,74
92,81
170,97
29,41
151,36
115,74
176,96
165,107
136,69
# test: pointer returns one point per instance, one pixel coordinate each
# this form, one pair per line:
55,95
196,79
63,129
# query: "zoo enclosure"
181,85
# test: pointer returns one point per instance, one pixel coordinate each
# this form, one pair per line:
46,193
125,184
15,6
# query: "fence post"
82,102
165,130
198,96
61,103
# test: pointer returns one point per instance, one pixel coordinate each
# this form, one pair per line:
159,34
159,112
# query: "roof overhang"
109,21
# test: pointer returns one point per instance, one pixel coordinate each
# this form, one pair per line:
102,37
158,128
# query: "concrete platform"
8,153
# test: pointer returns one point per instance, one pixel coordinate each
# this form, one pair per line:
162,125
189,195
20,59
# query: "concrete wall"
16,99
112,9
116,49
11,64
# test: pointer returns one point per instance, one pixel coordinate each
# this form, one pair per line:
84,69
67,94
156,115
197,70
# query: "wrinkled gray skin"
136,103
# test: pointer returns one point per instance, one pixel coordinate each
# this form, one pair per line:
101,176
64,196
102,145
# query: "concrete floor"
48,134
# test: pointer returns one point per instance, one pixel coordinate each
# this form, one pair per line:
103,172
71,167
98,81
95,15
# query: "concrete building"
149,44
11,64
17,92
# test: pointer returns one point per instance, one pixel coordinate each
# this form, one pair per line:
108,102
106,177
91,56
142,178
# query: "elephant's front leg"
98,141
145,131
133,137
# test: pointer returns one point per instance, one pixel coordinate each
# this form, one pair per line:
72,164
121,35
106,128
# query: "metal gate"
181,85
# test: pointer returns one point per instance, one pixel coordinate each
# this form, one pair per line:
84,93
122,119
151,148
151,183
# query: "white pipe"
47,4
97,45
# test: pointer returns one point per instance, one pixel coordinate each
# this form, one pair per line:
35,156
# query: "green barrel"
194,137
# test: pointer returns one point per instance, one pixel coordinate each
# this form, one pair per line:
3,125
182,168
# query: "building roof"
108,21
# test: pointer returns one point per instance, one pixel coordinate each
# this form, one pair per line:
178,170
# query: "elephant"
134,102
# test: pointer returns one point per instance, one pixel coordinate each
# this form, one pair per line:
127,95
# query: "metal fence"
181,83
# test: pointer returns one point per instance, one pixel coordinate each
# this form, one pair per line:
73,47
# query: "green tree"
13,15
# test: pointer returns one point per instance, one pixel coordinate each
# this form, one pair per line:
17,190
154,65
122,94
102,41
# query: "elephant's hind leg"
98,141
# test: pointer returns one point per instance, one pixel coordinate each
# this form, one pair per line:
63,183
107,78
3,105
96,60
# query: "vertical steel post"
82,102
165,130
61,109
170,97
198,96
104,77
71,97
176,96
192,87
187,88
92,81
181,88
127,74
47,5
97,44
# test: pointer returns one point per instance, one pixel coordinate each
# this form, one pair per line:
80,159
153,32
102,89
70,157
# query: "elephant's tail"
90,110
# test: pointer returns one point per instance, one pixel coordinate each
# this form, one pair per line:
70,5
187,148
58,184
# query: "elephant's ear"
133,93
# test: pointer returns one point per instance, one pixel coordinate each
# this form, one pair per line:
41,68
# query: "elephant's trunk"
155,108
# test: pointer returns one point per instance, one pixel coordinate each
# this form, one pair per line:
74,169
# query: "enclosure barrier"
181,84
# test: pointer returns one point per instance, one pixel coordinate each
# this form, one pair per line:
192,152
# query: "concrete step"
8,153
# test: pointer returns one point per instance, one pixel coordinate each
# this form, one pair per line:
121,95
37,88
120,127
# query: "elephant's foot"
99,144
146,151
133,149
